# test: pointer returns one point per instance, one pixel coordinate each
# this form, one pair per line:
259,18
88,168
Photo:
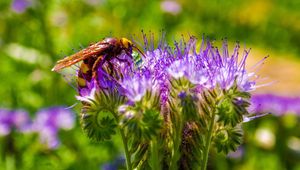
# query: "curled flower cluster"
175,100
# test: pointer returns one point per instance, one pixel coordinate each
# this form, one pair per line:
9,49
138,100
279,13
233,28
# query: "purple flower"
274,104
184,68
13,119
156,64
209,67
19,6
48,121
136,86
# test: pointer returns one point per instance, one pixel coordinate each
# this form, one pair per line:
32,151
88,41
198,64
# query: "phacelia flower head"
48,122
13,119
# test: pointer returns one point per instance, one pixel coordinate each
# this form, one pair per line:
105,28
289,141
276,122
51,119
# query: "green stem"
125,143
154,159
176,145
127,155
208,142
10,162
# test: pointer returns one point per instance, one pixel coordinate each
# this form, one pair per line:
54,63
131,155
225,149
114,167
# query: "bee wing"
94,49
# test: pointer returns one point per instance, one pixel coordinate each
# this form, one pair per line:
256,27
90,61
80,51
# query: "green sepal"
144,125
140,156
184,106
228,113
189,109
141,122
191,146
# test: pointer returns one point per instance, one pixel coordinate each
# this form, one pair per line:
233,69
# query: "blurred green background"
35,35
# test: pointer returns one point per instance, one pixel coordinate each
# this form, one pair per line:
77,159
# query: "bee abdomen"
85,73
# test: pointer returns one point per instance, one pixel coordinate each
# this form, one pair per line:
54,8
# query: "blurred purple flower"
13,119
274,104
48,121
115,164
19,6
238,154
171,7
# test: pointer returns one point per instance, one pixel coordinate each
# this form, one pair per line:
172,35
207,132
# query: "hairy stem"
154,159
176,145
208,142
127,155
125,143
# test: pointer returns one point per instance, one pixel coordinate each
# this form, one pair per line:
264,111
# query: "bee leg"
111,68
117,74
126,61
99,63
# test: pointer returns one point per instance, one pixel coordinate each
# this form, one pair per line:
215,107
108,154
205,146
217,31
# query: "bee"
95,55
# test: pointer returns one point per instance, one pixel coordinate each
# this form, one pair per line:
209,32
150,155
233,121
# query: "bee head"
127,44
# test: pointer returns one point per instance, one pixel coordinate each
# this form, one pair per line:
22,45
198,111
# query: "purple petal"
135,87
